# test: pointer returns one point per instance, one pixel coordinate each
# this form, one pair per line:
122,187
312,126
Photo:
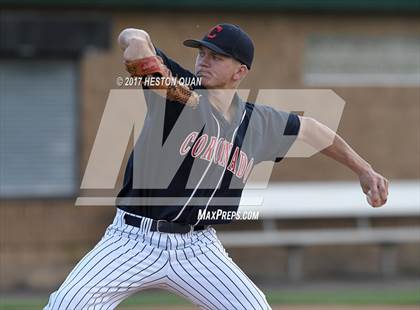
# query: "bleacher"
330,201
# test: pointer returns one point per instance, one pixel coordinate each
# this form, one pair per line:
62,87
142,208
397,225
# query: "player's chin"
206,82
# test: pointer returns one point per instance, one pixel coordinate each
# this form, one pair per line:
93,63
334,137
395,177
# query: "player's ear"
240,72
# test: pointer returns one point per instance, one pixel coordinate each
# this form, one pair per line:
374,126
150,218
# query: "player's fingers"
365,188
383,191
374,196
386,182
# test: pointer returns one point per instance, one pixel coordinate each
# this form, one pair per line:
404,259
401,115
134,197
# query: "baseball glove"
154,66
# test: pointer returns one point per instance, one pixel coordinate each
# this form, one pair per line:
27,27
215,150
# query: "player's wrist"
363,168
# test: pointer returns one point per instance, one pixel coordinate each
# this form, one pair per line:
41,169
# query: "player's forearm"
374,185
320,136
340,151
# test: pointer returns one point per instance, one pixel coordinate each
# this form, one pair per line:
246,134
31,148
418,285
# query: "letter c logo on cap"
213,32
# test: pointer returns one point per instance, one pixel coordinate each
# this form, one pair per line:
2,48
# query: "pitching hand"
375,186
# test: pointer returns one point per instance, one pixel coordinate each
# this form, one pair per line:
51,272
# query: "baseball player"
218,139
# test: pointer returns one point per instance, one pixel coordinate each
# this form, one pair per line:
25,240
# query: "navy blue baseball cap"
228,40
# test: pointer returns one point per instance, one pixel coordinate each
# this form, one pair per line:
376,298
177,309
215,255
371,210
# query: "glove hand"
136,44
141,60
138,48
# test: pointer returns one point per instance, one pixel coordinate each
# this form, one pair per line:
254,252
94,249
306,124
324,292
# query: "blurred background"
59,60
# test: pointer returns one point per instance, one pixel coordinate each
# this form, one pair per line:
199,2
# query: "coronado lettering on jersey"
204,147
125,112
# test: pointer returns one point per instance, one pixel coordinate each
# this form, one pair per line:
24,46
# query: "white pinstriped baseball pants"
129,259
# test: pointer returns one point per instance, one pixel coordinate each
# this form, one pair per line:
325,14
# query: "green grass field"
160,298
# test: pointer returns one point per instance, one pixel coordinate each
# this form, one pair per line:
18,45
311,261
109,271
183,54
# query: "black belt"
164,226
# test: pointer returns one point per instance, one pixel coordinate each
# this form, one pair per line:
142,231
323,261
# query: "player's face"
216,70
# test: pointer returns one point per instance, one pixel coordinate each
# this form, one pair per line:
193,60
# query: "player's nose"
204,61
